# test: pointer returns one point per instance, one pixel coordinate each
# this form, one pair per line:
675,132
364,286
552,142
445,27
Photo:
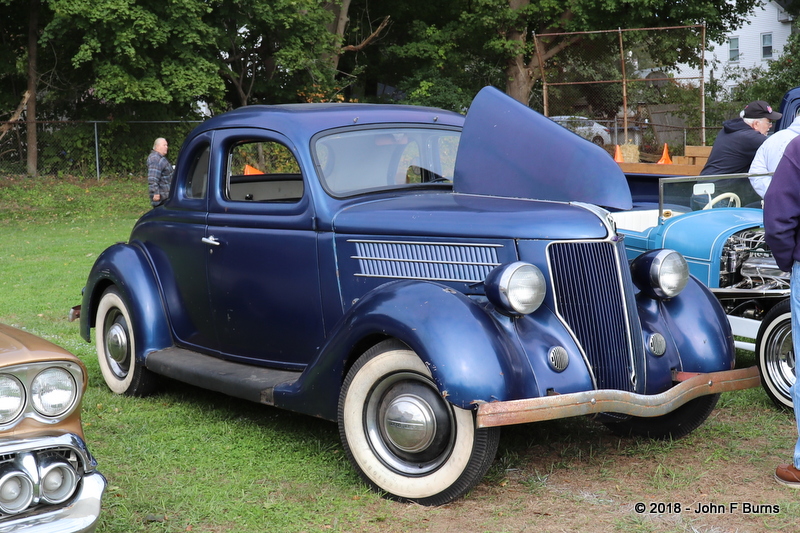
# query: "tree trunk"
30,114
337,25
519,76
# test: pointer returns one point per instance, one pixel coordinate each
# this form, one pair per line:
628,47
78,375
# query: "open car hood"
508,149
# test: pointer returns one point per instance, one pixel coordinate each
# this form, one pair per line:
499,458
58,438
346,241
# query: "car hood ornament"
526,155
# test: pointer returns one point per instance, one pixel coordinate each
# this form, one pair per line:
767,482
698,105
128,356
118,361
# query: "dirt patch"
547,479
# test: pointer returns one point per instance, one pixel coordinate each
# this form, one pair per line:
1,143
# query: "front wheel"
116,347
402,437
775,353
674,425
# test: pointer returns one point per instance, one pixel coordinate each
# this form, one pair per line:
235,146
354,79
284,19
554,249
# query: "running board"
248,382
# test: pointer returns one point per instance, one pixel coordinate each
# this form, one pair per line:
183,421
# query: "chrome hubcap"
410,423
117,351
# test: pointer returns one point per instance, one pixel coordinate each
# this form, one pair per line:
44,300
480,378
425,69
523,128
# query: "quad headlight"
53,392
517,288
12,398
16,490
45,391
660,273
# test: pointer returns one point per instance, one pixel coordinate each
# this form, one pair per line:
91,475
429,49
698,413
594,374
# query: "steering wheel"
725,196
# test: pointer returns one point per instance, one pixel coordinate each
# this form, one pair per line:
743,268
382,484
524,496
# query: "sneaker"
788,475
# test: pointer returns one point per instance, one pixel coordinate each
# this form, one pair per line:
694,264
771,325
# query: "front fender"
700,329
471,359
127,267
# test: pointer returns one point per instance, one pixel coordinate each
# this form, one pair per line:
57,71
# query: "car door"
262,253
173,236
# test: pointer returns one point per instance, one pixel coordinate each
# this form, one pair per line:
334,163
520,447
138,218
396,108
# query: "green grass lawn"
184,458
189,460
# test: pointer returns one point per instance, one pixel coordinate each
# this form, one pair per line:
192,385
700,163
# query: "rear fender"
470,358
128,268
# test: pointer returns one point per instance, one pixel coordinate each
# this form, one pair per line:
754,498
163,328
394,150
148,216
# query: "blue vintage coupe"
419,277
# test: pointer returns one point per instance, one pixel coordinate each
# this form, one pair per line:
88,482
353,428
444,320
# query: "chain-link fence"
610,80
88,149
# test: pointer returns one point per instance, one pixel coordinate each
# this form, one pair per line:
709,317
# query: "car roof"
308,119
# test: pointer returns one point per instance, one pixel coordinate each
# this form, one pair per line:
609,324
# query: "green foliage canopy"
224,53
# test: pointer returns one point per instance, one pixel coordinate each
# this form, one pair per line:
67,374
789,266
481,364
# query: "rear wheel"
598,141
674,425
402,437
116,348
775,354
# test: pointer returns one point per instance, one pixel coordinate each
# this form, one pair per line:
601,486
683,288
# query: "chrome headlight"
12,398
517,288
16,490
660,273
53,392
58,480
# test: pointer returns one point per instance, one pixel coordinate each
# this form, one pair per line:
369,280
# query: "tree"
450,41
226,54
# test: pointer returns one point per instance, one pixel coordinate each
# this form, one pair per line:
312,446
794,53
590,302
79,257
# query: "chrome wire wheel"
775,354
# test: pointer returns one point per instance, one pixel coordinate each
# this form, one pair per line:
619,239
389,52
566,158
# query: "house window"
733,45
766,46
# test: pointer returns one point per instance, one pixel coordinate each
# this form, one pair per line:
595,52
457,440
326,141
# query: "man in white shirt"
769,154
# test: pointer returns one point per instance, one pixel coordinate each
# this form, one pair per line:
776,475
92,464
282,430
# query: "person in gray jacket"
769,155
159,172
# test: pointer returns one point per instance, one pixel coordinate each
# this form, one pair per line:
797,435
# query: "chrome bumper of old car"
80,513
690,386
78,517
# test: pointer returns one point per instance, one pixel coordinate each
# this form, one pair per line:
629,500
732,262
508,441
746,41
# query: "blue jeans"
795,390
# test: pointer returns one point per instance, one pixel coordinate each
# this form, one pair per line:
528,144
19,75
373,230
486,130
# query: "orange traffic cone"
618,155
665,159
249,170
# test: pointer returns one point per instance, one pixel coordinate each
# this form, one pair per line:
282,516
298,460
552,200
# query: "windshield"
357,161
680,195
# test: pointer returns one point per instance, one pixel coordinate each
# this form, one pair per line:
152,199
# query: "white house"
760,40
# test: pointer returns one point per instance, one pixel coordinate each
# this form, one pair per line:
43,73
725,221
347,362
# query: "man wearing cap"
739,140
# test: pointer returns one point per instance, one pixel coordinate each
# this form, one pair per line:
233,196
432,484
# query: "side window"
263,171
197,181
766,46
733,46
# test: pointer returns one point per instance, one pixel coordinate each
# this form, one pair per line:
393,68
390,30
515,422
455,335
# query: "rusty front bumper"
690,387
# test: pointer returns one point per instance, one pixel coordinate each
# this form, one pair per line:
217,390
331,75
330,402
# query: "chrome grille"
469,263
594,296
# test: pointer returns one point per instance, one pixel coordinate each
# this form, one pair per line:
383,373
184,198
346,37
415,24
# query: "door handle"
210,240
